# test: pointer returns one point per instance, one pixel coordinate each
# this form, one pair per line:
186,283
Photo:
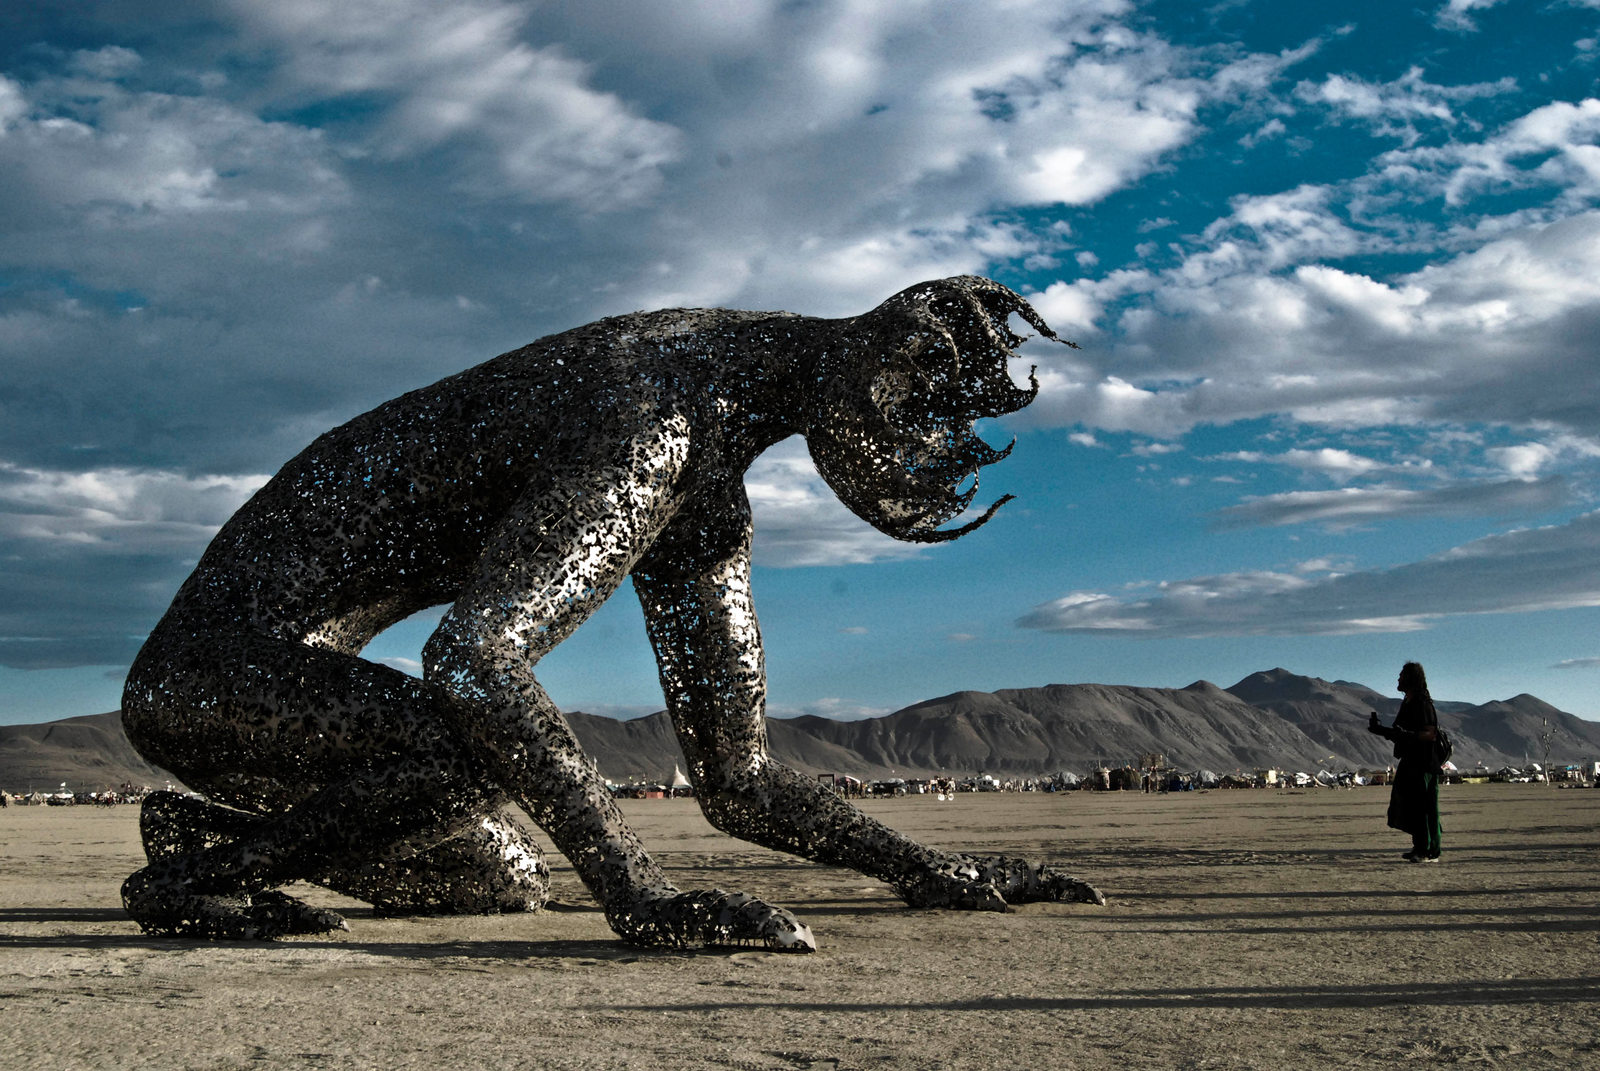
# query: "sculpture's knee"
167,687
493,866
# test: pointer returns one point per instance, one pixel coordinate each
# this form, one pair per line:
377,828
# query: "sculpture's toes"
171,911
744,919
281,915
683,920
1068,889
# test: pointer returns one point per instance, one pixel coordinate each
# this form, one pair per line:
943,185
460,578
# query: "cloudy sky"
1334,268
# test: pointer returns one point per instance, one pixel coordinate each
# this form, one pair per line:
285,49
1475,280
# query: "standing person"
1414,799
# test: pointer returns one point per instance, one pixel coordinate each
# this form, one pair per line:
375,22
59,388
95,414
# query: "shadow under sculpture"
522,492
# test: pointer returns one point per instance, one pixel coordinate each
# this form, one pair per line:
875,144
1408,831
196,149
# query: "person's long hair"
1418,692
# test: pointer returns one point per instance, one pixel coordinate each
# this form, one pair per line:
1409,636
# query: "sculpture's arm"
694,586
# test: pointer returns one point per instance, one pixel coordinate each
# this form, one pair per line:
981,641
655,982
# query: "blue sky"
1334,268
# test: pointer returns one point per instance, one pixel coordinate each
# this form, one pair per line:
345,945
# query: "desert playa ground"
1246,929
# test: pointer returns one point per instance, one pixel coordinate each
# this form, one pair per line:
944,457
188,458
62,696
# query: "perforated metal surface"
522,492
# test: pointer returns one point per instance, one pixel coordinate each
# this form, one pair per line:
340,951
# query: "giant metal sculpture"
521,492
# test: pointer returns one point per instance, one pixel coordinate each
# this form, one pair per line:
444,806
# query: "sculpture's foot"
991,883
672,919
165,911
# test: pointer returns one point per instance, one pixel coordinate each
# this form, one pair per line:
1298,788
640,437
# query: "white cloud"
1397,108
1549,568
13,105
122,511
1556,139
1481,336
521,121
1339,464
1524,459
1456,14
83,144
110,62
832,707
93,557
1527,460
1272,128
1351,506
409,666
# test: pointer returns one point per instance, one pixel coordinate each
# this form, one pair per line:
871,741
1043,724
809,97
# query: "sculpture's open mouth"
905,458
937,482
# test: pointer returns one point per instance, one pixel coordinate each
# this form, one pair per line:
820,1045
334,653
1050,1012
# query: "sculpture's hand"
990,883
665,917
1023,882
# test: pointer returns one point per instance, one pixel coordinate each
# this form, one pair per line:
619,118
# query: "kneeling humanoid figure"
521,492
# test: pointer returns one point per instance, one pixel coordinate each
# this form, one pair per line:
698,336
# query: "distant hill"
1066,727
1273,718
90,753
1500,733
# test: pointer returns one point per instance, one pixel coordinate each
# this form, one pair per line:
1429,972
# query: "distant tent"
678,780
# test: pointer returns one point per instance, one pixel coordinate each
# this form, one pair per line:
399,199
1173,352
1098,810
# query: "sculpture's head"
890,427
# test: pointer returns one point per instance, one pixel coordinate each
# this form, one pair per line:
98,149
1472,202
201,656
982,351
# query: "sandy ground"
1246,929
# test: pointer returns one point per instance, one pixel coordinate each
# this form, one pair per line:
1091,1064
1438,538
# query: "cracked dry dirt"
1252,929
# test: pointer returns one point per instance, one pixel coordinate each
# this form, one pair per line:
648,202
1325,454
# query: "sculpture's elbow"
470,660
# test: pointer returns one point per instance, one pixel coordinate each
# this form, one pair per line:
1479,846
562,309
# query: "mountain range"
1270,719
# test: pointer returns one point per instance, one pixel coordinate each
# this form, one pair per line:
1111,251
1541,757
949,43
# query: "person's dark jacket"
1414,730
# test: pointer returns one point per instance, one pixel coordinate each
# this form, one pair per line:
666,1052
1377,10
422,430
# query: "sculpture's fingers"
1024,882
713,917
1063,888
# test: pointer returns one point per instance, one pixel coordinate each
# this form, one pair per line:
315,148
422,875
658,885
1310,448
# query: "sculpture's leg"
173,823
375,774
227,890
491,867
560,788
